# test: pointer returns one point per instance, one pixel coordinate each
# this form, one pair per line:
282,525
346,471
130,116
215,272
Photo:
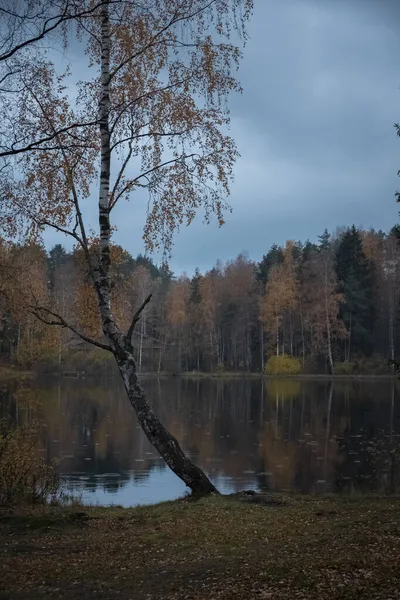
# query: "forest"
325,307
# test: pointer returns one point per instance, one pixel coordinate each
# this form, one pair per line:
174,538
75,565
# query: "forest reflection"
279,435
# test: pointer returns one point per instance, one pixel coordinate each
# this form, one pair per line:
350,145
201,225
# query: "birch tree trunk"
327,321
159,361
159,437
391,327
328,428
142,333
303,349
262,347
277,336
329,344
120,344
349,339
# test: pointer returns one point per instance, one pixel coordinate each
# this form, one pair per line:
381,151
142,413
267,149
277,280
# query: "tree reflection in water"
277,435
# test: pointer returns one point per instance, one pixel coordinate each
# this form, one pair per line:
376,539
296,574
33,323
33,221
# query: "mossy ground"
219,547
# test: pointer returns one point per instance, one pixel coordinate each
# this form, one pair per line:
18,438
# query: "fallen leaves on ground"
219,547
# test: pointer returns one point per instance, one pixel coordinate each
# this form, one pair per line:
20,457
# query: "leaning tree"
147,117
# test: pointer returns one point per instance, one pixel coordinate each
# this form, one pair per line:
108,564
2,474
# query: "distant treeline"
333,306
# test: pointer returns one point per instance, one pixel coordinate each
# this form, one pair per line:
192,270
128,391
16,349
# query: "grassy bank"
253,375
226,548
220,374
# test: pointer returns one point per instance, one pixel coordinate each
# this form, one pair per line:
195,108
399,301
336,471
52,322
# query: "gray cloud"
314,126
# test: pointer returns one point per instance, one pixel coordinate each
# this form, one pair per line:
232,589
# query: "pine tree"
273,258
354,273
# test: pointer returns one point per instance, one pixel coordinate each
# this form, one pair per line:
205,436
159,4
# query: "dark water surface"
280,435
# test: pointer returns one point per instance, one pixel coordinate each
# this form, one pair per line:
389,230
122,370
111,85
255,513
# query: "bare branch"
49,25
37,144
136,317
152,134
45,223
121,174
61,322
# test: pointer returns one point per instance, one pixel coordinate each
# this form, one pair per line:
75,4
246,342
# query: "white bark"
391,327
262,347
277,336
327,320
121,345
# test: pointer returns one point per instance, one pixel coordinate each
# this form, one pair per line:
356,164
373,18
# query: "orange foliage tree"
281,298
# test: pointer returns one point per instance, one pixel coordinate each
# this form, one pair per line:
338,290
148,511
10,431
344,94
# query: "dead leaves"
214,548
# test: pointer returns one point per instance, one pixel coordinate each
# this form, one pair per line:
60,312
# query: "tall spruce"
354,273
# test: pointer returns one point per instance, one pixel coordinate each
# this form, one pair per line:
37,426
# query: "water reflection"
281,435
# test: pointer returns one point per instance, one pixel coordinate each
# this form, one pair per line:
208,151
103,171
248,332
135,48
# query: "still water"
303,436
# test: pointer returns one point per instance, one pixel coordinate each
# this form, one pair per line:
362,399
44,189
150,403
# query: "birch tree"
280,298
327,327
150,118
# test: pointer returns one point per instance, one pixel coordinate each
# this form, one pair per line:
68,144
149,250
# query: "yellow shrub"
24,475
283,365
344,368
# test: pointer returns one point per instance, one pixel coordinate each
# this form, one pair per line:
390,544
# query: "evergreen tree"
272,259
195,295
145,261
57,256
355,277
308,250
324,241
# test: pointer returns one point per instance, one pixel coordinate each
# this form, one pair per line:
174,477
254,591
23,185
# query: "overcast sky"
314,127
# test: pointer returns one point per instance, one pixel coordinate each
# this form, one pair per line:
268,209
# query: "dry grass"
213,548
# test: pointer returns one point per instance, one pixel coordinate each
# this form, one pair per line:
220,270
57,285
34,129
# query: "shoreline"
236,375
14,374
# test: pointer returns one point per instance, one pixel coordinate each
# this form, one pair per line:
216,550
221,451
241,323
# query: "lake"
306,436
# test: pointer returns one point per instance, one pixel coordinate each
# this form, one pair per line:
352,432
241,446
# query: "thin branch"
50,25
146,173
46,223
9,74
37,144
139,52
136,317
127,188
121,174
153,134
175,19
82,239
128,106
61,322
45,31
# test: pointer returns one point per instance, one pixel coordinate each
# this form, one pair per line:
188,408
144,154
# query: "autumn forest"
331,306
